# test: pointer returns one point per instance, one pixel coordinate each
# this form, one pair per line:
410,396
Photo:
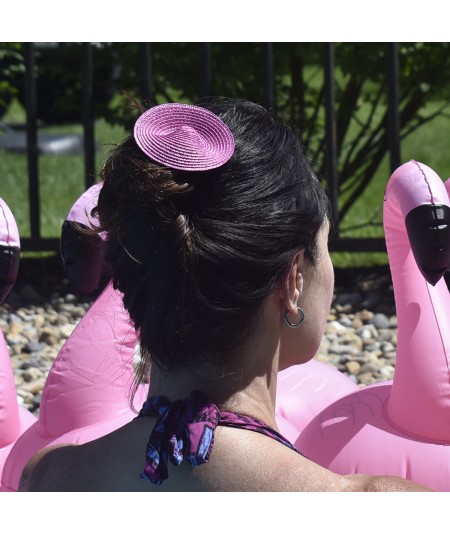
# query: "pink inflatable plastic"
402,427
82,255
9,250
86,392
305,390
14,419
9,233
447,275
82,207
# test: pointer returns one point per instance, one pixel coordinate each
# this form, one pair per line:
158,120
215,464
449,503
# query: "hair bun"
184,137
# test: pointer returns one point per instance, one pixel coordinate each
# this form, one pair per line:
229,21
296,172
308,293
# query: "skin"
241,459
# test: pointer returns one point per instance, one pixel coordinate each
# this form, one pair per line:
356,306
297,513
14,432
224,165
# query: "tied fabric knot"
184,431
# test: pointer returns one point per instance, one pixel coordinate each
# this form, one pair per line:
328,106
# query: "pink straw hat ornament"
184,137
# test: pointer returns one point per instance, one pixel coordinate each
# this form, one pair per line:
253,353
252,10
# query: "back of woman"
217,237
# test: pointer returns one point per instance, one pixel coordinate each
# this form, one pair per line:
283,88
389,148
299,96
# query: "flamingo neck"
420,396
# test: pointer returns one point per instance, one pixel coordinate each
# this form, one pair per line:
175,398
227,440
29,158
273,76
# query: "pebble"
360,336
380,321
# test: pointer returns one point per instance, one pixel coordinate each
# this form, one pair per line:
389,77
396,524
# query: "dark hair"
196,254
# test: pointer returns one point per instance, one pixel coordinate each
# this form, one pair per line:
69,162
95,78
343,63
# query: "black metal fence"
38,243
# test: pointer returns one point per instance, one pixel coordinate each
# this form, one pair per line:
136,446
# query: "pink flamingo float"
86,392
402,427
14,419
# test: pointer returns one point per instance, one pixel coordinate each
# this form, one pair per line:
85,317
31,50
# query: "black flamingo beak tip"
82,256
433,277
428,229
9,268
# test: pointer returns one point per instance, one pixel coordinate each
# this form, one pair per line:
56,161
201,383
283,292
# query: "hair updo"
195,254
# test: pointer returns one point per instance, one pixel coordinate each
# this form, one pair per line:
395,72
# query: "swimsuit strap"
185,431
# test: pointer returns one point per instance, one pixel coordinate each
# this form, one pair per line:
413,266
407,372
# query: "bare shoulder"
368,483
271,466
240,461
46,468
305,475
109,463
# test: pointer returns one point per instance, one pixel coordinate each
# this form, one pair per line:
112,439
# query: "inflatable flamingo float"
86,394
402,427
14,419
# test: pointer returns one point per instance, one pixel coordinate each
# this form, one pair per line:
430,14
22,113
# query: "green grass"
429,145
61,177
62,181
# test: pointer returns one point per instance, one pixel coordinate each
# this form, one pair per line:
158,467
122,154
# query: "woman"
217,237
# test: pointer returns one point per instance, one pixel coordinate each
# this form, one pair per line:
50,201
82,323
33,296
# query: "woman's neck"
247,385
256,398
249,388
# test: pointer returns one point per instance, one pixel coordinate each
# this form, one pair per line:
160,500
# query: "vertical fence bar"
32,145
330,133
87,115
267,75
205,69
146,74
393,74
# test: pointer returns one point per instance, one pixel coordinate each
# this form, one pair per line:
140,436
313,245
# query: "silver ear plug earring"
301,315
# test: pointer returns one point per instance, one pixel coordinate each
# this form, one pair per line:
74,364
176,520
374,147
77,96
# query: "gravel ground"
42,310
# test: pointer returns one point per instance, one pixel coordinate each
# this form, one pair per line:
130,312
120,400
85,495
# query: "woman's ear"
293,284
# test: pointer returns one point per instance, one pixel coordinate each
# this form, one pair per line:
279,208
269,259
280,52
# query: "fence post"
330,134
394,101
87,115
205,69
32,146
267,75
146,70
